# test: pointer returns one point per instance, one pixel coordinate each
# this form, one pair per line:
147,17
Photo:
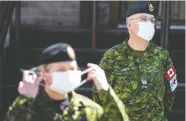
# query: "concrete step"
33,37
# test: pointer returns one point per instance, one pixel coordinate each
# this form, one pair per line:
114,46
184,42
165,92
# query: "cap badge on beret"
71,52
151,8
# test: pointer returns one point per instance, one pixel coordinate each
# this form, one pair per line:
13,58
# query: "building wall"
51,14
66,14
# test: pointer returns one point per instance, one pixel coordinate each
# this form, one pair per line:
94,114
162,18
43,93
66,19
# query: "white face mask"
146,30
65,82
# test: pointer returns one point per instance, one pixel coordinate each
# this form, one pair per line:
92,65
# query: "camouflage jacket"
145,82
80,108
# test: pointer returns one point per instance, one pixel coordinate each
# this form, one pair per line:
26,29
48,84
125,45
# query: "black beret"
56,53
141,7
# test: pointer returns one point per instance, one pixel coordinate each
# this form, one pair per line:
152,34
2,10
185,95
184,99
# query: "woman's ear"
74,65
130,24
43,71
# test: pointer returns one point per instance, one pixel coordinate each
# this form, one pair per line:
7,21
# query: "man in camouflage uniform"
141,73
49,105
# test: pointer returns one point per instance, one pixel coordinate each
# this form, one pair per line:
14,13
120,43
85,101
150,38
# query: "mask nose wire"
85,80
82,82
150,22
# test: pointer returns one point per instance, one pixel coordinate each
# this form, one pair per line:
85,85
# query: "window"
107,14
177,12
104,12
112,14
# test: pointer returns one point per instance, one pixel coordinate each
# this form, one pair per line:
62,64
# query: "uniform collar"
45,100
75,99
128,50
75,103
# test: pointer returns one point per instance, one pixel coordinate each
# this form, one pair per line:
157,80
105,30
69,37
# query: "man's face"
132,22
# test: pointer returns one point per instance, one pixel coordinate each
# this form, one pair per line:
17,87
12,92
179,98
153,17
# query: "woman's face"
56,67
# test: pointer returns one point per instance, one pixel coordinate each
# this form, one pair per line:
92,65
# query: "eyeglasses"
145,19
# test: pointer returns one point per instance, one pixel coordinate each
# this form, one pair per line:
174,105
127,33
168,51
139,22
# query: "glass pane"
182,10
103,12
177,10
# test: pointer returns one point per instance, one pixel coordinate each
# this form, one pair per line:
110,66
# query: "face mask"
146,30
65,82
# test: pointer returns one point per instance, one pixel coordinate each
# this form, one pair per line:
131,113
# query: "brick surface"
49,13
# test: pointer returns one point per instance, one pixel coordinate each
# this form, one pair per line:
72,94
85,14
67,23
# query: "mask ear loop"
85,80
86,71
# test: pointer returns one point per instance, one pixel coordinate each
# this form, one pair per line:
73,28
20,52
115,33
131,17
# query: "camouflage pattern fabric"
138,78
80,108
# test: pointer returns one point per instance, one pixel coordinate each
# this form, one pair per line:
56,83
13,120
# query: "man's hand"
29,85
98,76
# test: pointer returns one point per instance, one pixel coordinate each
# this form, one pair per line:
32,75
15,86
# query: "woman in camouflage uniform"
44,104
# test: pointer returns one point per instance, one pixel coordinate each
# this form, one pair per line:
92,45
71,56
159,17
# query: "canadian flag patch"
170,73
173,83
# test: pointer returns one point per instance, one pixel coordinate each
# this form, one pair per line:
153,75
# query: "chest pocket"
125,82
